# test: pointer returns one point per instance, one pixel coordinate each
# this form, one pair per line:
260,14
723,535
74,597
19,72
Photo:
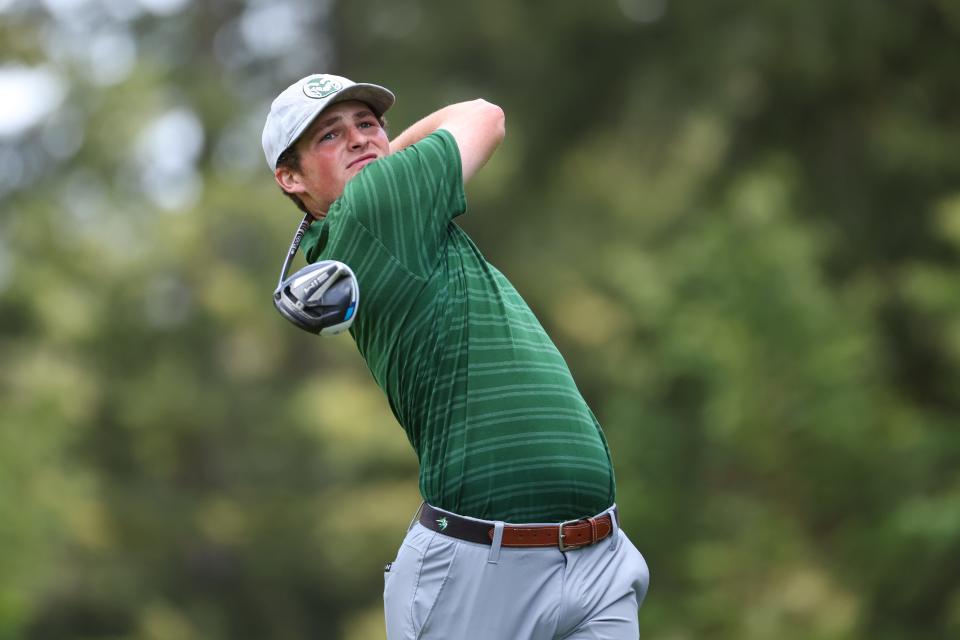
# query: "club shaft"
291,254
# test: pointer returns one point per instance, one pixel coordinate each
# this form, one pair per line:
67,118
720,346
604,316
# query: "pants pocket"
399,586
435,572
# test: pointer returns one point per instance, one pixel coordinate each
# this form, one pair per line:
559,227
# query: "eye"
329,135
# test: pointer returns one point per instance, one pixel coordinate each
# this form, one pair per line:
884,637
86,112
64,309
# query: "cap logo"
321,87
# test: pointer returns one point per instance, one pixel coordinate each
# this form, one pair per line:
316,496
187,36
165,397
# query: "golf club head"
321,298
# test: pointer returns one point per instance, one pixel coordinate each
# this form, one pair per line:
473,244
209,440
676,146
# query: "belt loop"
593,530
615,529
494,556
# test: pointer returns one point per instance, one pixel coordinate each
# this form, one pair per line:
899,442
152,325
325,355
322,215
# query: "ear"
289,180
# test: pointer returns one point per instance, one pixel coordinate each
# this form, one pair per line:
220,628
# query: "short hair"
290,158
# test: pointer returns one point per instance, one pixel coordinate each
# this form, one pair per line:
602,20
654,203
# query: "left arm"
477,126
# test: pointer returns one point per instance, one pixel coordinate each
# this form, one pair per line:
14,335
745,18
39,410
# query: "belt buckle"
560,542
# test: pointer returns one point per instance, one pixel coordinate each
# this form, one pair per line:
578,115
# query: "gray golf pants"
444,588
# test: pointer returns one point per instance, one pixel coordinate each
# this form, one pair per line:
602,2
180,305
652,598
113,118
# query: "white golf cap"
300,103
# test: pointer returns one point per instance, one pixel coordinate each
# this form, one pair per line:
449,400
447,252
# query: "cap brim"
379,98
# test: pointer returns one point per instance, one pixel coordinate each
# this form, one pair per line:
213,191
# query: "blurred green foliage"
740,222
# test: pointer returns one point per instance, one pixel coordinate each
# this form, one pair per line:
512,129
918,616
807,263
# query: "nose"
356,139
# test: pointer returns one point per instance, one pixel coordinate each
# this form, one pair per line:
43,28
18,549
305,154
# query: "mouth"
362,161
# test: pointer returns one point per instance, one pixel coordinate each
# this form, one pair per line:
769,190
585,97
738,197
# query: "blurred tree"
740,222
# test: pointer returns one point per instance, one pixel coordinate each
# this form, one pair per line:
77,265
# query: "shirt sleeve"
408,199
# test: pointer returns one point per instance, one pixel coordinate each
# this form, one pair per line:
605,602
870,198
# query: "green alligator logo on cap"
321,87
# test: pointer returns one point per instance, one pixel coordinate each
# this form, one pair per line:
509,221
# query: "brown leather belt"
567,535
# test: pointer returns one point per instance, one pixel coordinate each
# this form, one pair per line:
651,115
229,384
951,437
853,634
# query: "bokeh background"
739,220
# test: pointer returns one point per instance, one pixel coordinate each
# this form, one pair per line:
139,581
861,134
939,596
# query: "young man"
518,536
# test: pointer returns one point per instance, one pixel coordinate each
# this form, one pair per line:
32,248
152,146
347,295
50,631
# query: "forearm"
425,126
477,126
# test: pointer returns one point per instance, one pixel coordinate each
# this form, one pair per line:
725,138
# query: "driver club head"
320,298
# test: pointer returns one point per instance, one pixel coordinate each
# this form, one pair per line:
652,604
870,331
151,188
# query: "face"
341,141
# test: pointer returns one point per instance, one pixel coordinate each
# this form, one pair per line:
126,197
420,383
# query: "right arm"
477,126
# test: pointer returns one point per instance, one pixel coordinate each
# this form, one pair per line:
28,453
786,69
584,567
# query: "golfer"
519,536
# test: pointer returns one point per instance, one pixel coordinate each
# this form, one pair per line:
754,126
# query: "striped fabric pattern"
488,403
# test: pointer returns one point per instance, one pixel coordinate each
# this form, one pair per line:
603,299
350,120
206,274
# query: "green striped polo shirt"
488,403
